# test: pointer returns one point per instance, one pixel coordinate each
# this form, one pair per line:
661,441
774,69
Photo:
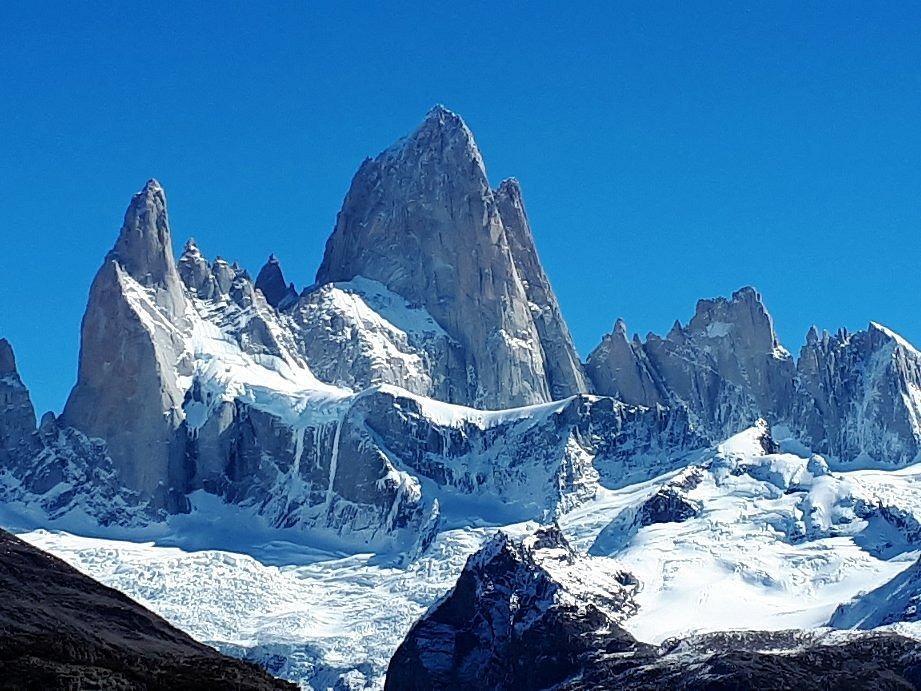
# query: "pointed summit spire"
439,116
191,247
17,421
127,391
7,359
422,220
271,281
144,247
444,142
812,336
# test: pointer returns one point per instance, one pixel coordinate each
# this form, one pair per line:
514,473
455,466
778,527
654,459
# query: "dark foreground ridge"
514,621
60,629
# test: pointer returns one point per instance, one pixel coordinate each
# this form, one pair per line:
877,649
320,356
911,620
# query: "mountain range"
425,392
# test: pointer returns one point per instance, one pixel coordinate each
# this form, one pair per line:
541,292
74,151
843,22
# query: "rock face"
61,629
859,396
517,619
776,660
564,371
17,416
422,220
853,397
526,615
127,390
53,468
725,367
271,282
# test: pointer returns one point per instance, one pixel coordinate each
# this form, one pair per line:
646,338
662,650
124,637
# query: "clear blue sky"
667,152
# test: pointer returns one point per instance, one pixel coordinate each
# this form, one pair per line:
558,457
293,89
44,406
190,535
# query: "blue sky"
667,151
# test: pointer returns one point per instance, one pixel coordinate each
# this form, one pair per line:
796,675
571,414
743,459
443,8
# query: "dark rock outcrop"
515,620
511,623
271,281
771,660
60,629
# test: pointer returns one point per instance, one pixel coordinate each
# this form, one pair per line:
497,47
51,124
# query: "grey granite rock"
127,389
17,416
725,367
195,271
859,397
561,363
422,220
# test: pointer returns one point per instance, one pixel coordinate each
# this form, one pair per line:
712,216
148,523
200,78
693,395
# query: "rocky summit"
406,466
422,220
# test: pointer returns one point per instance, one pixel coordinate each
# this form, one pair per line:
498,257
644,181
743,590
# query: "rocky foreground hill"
526,614
60,629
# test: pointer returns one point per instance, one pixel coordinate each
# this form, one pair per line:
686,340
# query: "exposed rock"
422,220
17,416
223,275
619,367
271,282
859,397
518,618
127,390
670,503
564,371
523,615
359,334
55,471
60,629
774,660
725,367
329,476
195,271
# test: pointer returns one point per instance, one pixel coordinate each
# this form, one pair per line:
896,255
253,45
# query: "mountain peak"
444,140
422,220
812,336
152,186
7,359
744,314
271,281
191,248
144,247
747,294
510,188
441,116
889,335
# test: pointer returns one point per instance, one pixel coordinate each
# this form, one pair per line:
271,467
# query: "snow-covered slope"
747,522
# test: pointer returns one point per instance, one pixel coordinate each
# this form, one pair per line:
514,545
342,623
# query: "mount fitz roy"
425,386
